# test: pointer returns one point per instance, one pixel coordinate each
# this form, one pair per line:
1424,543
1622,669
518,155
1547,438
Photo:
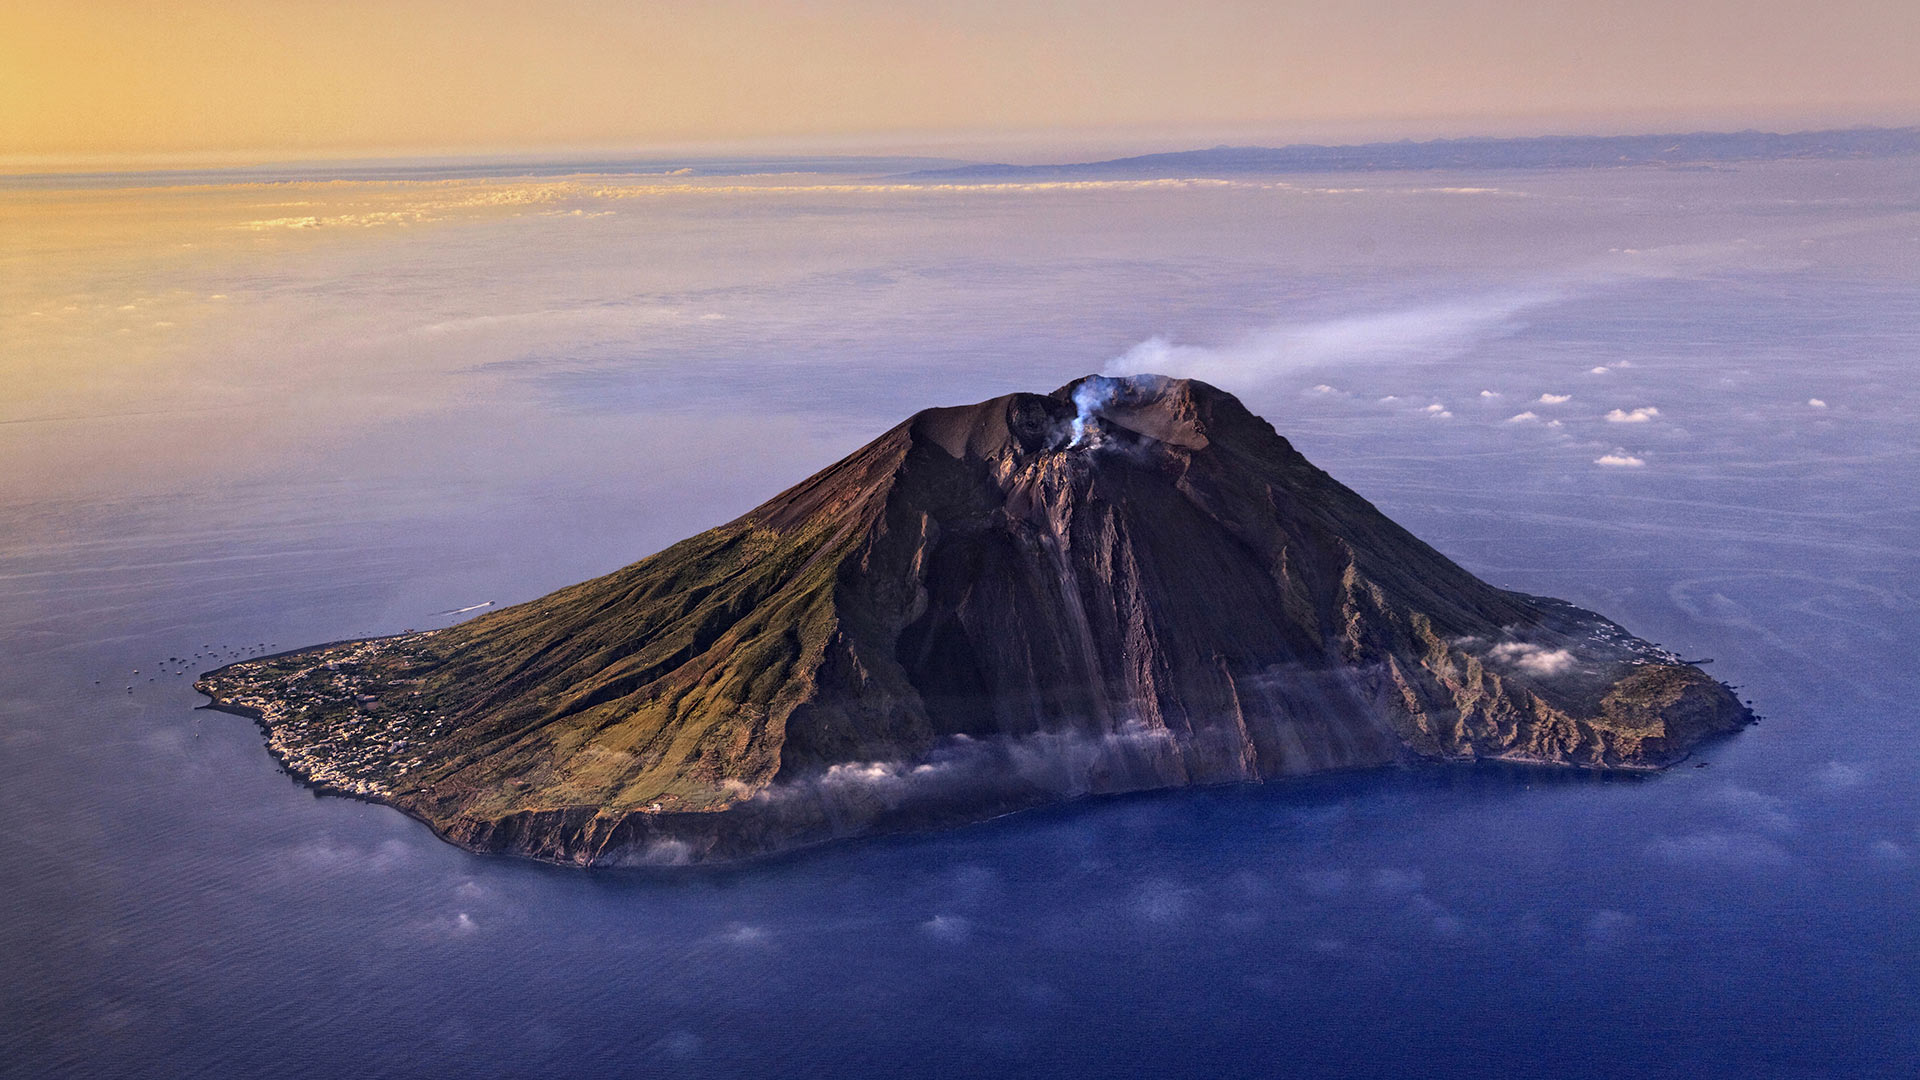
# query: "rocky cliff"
1125,584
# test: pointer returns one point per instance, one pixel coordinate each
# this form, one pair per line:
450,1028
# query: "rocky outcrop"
1125,584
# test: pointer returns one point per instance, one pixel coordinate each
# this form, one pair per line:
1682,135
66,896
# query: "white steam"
1089,398
1095,394
1436,331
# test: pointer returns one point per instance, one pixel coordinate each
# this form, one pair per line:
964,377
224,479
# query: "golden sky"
83,78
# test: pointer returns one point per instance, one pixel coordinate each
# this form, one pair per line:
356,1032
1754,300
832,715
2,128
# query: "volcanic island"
1126,584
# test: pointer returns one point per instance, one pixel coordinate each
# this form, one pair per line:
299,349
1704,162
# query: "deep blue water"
175,906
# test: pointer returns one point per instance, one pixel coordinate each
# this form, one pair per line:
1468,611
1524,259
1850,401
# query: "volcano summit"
1125,584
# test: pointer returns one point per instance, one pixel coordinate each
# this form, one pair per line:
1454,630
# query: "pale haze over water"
242,416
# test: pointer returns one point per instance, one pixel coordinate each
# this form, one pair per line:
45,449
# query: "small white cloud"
464,924
1532,659
744,934
1619,459
1555,399
1489,394
1839,776
1606,927
1816,403
1323,388
1436,408
1390,397
1601,370
1715,846
1522,418
1395,880
1324,882
947,928
1162,902
1756,808
1637,416
326,853
1555,423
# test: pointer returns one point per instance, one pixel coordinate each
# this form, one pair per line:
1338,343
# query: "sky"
105,79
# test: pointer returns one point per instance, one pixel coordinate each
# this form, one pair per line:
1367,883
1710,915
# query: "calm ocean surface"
245,415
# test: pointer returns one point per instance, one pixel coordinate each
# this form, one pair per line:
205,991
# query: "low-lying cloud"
1532,659
1718,847
1608,927
1839,776
1755,809
1636,416
948,928
1058,762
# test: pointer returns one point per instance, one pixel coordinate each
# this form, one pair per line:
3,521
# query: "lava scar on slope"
1125,584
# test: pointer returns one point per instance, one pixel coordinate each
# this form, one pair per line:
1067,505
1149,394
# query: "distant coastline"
1693,149
1538,152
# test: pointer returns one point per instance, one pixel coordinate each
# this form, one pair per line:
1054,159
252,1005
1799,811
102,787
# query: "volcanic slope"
1126,584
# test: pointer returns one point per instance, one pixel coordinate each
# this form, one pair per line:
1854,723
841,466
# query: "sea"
244,412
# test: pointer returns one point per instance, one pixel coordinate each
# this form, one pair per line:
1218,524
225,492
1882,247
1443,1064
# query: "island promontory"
1125,584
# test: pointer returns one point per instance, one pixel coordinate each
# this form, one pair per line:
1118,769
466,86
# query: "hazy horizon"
830,155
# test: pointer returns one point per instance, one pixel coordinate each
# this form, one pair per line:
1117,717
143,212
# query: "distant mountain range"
1543,152
1700,149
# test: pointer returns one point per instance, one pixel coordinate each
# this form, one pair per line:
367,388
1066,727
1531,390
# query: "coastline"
639,840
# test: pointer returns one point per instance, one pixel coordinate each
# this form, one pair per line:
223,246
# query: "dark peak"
1158,407
1091,413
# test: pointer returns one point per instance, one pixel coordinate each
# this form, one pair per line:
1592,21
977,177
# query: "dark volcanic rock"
1126,584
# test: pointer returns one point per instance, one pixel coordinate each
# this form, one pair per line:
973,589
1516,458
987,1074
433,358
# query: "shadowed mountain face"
1125,584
